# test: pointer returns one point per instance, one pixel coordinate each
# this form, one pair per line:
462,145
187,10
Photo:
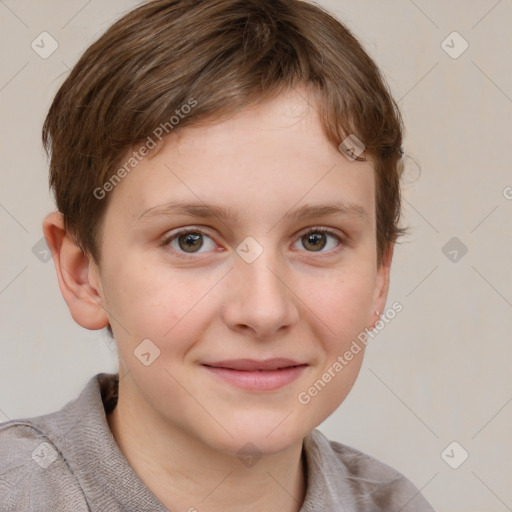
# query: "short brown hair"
227,55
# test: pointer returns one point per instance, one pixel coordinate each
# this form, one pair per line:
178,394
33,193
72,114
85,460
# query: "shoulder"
34,475
372,485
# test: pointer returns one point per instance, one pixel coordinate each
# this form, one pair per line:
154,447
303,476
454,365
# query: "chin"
258,438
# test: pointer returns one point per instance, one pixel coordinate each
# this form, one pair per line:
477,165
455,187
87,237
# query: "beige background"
440,372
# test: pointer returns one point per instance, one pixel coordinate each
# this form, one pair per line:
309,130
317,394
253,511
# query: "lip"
254,364
257,375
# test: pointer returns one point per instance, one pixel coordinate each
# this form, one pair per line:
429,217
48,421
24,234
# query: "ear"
77,275
382,284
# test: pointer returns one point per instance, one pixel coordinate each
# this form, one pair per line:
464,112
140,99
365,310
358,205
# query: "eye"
189,241
316,239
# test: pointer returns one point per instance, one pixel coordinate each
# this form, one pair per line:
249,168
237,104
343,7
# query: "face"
243,303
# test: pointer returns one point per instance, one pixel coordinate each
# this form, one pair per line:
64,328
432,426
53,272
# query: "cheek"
340,313
341,304
147,302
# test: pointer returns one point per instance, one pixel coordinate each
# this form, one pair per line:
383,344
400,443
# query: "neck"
186,474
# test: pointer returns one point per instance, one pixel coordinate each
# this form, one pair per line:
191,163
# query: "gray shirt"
68,460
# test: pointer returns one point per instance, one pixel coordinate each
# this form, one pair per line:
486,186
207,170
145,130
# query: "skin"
179,426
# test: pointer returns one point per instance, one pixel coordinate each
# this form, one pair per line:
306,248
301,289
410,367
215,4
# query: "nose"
260,299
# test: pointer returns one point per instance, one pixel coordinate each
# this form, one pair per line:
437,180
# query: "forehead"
267,159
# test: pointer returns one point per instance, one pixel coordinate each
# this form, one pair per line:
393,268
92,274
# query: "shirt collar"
83,436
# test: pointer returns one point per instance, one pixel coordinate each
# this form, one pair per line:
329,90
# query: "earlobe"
83,297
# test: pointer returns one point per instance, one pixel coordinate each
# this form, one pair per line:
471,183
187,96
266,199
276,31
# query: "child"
260,131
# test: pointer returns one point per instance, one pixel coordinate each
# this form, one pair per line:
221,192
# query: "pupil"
316,240
190,240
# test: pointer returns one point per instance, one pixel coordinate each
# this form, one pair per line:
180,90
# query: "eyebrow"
203,210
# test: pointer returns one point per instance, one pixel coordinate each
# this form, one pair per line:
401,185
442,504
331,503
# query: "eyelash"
327,231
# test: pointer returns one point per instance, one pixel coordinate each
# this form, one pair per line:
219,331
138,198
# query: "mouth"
257,375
